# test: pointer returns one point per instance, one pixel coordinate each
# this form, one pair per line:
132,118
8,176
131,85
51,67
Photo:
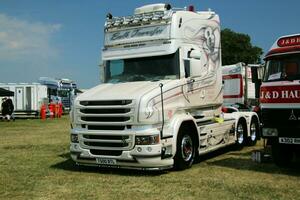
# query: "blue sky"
63,38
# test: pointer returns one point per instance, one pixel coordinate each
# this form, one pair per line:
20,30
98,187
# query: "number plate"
106,161
286,140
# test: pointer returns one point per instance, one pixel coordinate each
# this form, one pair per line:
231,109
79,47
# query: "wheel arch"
191,126
184,121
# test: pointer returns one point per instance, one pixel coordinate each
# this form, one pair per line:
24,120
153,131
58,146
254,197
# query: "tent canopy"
5,93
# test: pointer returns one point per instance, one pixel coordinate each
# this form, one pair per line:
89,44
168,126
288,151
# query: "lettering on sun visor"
146,33
136,33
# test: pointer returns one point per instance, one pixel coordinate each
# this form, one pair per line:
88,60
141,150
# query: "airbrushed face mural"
203,35
207,39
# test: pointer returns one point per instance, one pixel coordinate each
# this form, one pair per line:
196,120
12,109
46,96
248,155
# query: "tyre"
282,154
254,132
241,134
185,150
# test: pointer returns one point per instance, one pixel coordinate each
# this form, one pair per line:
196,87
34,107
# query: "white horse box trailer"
28,98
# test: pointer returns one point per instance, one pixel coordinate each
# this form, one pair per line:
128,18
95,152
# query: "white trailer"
27,98
160,102
239,89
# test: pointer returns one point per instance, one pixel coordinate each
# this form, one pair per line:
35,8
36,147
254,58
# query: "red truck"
280,99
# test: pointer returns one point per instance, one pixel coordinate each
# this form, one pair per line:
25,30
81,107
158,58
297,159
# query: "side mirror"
254,74
187,68
256,79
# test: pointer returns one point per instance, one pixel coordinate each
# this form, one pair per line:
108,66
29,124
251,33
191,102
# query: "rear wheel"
241,134
186,150
254,132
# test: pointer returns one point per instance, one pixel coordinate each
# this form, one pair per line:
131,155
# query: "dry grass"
35,164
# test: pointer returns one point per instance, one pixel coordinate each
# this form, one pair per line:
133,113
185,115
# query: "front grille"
105,141
66,102
113,128
287,121
106,103
281,117
105,144
105,111
106,123
105,119
106,137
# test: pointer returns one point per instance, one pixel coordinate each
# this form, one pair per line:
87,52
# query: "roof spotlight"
168,6
109,16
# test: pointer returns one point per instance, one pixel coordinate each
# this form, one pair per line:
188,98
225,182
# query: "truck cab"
280,98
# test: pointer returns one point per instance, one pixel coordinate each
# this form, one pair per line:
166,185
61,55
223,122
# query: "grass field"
35,164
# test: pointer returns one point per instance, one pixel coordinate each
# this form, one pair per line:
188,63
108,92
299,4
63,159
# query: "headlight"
269,132
147,140
74,138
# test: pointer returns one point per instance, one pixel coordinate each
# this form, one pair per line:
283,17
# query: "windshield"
143,69
63,93
284,67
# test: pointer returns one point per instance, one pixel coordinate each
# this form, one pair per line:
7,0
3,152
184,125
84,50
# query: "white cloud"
22,40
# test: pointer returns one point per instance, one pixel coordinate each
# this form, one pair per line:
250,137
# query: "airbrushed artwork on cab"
207,87
205,38
208,40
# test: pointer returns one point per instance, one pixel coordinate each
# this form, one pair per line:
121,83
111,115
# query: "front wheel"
185,152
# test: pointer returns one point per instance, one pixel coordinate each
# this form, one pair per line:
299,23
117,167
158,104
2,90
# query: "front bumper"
145,157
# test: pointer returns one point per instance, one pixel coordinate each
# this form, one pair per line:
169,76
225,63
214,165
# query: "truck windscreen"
143,69
283,67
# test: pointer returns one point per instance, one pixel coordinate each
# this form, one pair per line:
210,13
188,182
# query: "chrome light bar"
138,19
128,20
158,15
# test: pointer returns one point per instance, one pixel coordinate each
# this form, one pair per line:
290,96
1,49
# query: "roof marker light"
191,8
109,16
168,7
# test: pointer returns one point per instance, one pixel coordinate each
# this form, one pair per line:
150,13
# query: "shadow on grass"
242,160
69,165
248,164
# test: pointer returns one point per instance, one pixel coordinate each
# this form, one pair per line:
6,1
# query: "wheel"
241,134
185,150
282,154
254,132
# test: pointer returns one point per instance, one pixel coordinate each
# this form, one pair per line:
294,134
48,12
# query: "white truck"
28,97
64,89
280,99
160,102
239,89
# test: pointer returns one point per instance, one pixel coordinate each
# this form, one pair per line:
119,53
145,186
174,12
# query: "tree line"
237,47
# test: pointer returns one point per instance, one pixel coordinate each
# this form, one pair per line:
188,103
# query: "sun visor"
137,35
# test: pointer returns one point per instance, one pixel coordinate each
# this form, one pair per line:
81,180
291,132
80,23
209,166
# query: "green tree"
237,47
